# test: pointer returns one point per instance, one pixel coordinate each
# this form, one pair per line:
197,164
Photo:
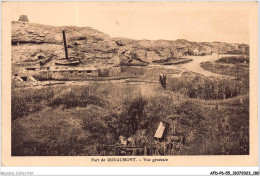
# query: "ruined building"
23,18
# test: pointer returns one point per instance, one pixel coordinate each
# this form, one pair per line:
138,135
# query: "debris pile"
163,142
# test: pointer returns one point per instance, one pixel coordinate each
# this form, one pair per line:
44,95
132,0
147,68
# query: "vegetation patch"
92,129
234,60
207,88
27,101
231,66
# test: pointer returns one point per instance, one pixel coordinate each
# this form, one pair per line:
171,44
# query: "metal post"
65,45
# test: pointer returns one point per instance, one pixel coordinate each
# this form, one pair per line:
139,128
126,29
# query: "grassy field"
54,125
211,114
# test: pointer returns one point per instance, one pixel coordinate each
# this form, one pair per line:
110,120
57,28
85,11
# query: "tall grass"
207,88
146,73
76,97
90,130
111,110
132,117
27,101
241,72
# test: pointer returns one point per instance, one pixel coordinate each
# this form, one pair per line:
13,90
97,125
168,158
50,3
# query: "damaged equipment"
67,61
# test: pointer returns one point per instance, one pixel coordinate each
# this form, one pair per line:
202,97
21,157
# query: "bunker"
70,73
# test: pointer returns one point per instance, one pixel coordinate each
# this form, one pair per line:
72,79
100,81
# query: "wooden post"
145,151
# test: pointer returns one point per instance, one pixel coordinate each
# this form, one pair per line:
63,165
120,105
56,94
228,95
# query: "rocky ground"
34,42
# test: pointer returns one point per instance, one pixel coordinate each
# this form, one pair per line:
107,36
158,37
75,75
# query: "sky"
198,22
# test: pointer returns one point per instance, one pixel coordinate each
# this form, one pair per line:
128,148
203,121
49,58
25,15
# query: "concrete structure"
24,78
65,73
160,130
71,73
23,18
109,72
180,51
114,71
196,52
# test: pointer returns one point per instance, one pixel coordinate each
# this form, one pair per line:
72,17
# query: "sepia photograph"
130,79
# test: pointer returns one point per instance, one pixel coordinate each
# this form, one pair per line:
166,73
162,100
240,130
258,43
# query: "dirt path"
194,66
